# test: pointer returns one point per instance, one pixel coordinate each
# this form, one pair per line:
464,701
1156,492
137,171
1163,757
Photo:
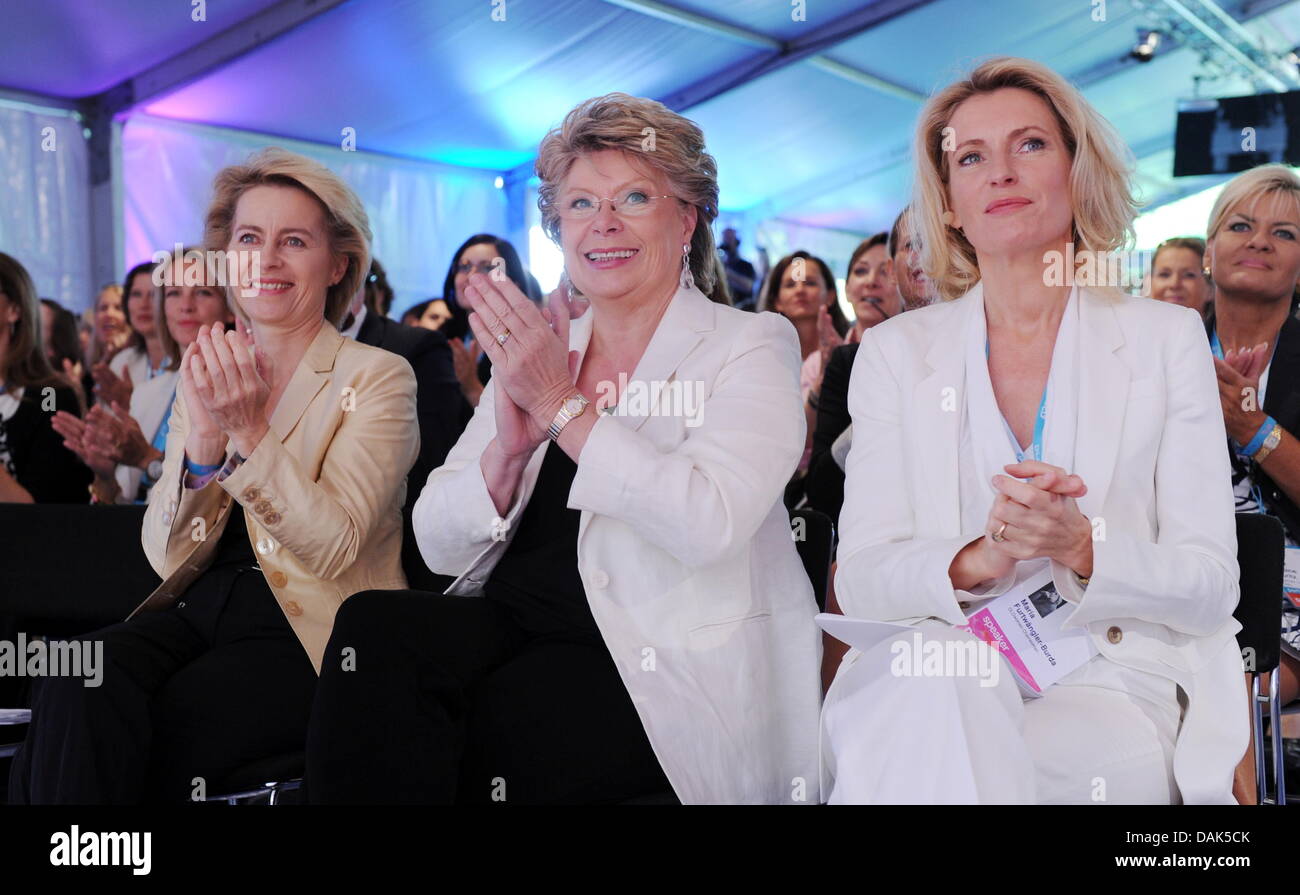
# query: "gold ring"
998,535
502,337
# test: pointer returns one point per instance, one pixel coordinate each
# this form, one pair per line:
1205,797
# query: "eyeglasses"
629,204
483,267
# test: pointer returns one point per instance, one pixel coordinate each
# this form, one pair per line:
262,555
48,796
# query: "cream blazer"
685,550
322,493
1150,447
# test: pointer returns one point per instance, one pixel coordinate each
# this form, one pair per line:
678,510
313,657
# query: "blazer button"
271,518
279,579
1114,634
262,507
599,579
292,608
251,494
265,546
964,605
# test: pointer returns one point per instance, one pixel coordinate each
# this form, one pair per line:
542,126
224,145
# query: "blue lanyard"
1215,346
1040,423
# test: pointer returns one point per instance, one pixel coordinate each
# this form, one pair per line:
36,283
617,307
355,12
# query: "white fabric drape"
45,212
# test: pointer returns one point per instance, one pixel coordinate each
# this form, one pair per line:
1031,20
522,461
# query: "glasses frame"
568,215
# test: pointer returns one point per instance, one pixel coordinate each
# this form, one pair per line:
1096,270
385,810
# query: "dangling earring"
687,281
1206,270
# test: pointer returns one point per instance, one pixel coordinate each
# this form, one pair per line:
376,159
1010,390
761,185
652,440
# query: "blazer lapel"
689,315
308,379
939,411
1103,396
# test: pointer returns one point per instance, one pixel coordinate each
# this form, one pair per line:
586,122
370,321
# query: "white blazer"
1151,447
151,399
685,551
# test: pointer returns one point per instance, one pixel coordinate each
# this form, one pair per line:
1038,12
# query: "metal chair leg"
1257,731
1275,735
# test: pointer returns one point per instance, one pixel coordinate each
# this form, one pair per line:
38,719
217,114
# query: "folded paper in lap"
1023,624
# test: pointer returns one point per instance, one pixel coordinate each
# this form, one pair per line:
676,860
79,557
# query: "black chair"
814,537
1260,545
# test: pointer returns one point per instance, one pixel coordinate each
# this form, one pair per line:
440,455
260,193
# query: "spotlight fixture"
1145,48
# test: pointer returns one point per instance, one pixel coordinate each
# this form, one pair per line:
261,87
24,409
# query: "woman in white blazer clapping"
630,612
1026,425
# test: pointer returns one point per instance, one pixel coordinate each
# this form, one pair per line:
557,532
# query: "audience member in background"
534,668
824,483
721,292
1253,256
872,292
800,287
1178,274
112,331
125,446
34,465
411,316
742,280
292,457
440,408
144,356
434,315
905,251
378,294
86,339
59,329
491,256
990,432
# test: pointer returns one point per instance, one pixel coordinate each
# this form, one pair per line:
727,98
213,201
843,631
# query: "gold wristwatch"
572,408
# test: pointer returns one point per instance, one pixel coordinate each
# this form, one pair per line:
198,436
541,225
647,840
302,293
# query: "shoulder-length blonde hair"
346,223
653,133
1101,195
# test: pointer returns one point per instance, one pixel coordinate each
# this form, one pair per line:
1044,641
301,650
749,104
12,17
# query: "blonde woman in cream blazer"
1029,426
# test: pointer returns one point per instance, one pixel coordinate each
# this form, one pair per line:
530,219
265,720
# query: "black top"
825,479
1282,402
233,549
443,414
537,579
36,456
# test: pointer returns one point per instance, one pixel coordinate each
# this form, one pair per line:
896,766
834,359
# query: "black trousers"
198,690
433,699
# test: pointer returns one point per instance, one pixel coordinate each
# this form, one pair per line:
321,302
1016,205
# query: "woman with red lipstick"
1177,275
1253,257
630,614
124,444
1019,429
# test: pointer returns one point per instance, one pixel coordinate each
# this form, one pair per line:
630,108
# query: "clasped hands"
1238,371
226,380
1035,518
531,362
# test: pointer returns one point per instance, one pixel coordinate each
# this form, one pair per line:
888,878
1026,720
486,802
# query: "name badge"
1291,576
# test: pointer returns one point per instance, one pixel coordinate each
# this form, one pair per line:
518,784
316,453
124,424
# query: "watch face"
155,469
574,405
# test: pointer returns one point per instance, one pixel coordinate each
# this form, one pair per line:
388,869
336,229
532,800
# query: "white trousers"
1095,737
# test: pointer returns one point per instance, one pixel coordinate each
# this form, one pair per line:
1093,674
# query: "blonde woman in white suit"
941,511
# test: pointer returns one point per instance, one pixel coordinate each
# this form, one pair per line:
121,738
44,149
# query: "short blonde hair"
655,134
1101,194
346,223
1250,186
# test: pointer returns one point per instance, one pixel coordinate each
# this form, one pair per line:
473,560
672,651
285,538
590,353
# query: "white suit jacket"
1151,449
151,399
685,551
